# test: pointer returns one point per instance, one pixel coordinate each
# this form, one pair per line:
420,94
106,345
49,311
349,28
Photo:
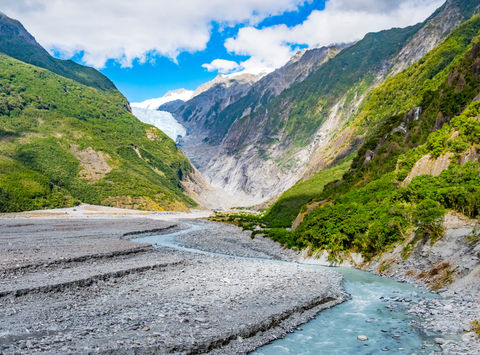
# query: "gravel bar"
88,289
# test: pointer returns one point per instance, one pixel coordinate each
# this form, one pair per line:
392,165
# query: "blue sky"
148,47
153,79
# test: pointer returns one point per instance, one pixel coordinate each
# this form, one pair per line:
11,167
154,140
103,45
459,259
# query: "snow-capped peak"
154,104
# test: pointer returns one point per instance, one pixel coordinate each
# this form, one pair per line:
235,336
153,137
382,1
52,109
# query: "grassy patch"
290,203
476,327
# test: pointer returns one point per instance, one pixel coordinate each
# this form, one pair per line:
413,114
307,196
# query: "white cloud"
222,66
126,30
267,47
342,21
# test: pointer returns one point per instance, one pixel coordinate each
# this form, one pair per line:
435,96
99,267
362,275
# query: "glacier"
162,120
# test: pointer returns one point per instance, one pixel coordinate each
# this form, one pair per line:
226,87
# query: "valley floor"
87,279
73,283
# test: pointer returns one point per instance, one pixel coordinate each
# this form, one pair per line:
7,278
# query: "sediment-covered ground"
451,265
80,285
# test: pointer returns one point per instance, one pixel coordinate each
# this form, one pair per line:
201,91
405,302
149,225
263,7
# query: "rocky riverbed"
86,285
452,266
80,285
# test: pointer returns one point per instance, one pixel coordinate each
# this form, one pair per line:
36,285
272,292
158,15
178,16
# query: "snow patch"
153,104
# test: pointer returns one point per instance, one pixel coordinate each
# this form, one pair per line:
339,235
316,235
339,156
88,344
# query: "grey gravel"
91,290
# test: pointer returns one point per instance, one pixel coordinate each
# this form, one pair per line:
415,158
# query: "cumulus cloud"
222,66
342,21
129,30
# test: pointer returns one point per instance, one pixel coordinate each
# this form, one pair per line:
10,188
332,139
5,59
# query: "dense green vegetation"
371,218
284,211
443,88
16,42
63,142
299,110
372,209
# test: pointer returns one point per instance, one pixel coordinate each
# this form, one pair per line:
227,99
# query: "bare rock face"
239,145
428,165
258,160
95,164
452,262
439,26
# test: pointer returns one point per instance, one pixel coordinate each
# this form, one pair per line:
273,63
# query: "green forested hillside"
284,211
379,200
300,110
63,142
371,208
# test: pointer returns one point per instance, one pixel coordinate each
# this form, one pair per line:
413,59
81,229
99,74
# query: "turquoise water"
371,312
377,309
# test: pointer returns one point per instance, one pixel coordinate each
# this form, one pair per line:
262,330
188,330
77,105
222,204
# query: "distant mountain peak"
227,80
18,43
172,95
13,28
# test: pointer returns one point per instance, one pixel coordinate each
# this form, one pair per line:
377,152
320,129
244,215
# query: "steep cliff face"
217,104
306,127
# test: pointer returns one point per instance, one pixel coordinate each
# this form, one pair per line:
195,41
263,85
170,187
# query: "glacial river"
377,309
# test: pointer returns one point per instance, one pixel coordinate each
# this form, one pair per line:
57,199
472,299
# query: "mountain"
407,201
198,115
199,112
173,95
69,137
296,70
17,43
415,105
215,105
264,150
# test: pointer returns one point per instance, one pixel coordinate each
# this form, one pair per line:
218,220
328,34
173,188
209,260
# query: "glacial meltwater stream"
377,309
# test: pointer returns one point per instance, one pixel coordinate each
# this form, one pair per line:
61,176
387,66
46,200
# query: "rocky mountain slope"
277,133
407,202
217,104
418,165
68,136
199,114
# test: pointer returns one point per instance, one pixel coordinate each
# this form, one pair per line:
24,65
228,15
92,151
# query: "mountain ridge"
64,142
18,43
306,127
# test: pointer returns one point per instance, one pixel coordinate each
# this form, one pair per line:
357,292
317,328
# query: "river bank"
445,319
92,282
80,285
